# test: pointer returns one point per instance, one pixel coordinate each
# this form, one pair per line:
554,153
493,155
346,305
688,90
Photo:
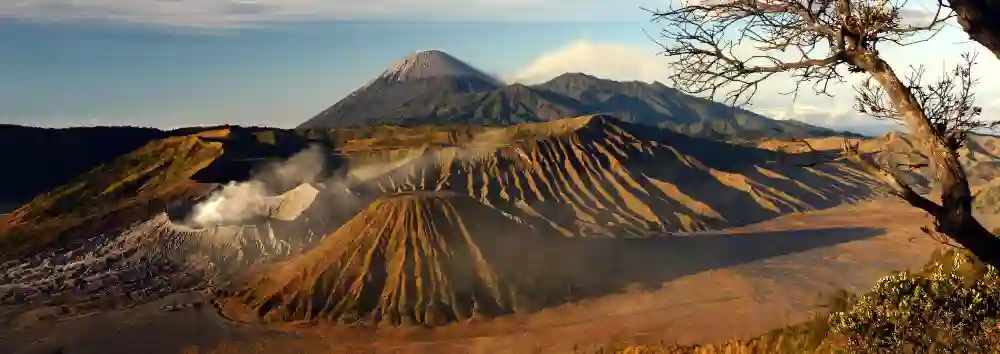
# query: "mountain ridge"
440,89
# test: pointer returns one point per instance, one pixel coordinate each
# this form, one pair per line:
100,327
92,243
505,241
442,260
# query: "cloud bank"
242,13
245,13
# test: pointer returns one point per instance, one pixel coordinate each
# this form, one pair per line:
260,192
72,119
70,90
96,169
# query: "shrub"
951,306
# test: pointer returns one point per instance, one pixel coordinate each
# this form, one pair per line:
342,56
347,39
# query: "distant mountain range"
433,87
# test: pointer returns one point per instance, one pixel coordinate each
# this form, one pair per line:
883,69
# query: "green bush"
951,306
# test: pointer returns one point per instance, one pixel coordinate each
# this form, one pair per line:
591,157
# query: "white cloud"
241,13
605,60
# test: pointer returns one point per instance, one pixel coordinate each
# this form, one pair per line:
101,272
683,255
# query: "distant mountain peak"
574,75
432,63
421,81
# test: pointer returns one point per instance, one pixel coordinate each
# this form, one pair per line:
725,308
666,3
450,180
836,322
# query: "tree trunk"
971,234
981,20
953,217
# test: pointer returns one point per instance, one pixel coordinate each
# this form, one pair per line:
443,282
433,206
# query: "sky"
171,63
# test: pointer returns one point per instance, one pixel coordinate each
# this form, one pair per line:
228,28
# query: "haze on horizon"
278,63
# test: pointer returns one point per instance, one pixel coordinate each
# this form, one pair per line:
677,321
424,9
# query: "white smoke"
241,201
307,166
235,202
238,202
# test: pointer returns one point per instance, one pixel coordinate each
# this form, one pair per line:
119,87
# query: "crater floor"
754,278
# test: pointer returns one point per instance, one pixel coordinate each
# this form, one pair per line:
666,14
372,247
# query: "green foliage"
950,306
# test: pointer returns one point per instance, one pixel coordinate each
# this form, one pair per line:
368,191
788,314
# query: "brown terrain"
549,237
734,283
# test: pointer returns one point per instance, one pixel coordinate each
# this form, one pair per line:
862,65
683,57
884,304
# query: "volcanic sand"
736,283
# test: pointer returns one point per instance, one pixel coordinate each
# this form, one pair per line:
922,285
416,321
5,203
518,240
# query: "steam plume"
240,201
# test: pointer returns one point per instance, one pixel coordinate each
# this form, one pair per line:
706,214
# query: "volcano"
415,258
418,84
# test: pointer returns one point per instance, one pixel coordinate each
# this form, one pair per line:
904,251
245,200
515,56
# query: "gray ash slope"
431,64
432,87
163,255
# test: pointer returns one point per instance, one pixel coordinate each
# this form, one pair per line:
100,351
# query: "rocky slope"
50,157
43,163
112,195
986,205
979,157
595,175
421,258
139,184
517,219
160,256
585,176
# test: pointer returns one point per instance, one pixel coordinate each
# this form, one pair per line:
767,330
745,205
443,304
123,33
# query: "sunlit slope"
986,205
423,258
129,188
980,156
595,175
585,176
434,258
136,186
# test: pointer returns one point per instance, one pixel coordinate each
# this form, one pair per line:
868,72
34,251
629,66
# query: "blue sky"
278,75
168,63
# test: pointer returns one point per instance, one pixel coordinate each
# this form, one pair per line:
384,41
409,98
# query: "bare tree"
818,43
948,102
